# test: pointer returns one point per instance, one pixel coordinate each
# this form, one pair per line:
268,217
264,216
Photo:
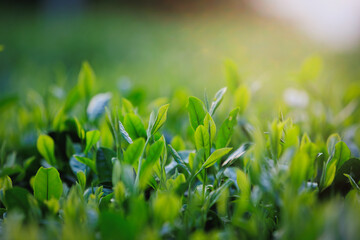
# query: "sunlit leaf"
217,100
226,130
160,119
134,151
342,154
196,111
215,156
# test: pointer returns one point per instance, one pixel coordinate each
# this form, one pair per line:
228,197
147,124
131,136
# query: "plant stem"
140,163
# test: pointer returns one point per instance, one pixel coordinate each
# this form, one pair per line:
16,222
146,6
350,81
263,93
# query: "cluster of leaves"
97,170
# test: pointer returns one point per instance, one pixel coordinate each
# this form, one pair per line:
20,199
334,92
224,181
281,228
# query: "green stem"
140,163
204,184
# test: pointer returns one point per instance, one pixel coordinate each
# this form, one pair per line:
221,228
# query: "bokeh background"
164,45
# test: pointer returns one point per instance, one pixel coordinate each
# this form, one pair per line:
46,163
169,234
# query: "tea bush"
103,166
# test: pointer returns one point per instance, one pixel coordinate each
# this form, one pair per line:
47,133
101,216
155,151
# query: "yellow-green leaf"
86,80
202,139
92,137
134,151
160,118
196,111
45,146
215,156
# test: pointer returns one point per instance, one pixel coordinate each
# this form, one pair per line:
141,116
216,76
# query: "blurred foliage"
91,164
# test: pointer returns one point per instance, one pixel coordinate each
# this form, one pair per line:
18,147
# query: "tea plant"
99,166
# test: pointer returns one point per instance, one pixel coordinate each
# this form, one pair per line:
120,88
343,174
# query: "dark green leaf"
178,159
17,198
104,164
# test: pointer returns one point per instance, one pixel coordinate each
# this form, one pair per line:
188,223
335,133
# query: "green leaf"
155,151
328,175
86,81
134,151
243,183
166,206
124,133
116,172
150,124
217,100
299,169
152,157
92,137
17,198
292,137
226,130
113,225
8,171
209,124
112,126
104,164
202,139
331,142
206,101
352,182
127,106
79,129
45,145
88,162
196,111
71,99
160,119
134,126
220,196
178,159
215,156
47,184
236,154
342,154
178,143
81,177
5,183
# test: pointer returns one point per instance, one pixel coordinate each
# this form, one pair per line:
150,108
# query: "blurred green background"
161,49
